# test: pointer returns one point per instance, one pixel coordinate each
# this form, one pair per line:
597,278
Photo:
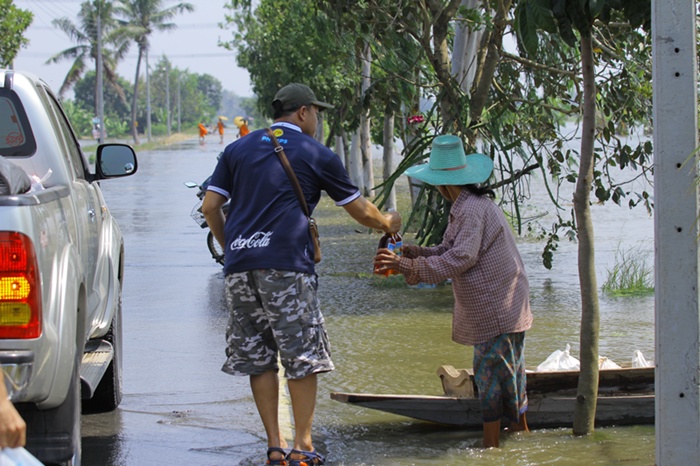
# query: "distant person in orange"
243,130
220,125
203,131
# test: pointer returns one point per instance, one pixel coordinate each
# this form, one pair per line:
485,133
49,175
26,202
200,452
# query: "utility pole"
674,81
148,100
99,94
167,95
179,126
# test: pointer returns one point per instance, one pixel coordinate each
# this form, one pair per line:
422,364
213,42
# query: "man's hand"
13,429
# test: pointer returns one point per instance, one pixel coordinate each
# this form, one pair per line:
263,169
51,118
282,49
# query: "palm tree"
140,19
86,49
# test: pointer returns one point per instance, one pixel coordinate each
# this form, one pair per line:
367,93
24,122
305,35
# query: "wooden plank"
633,379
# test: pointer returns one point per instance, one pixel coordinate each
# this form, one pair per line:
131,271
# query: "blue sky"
192,46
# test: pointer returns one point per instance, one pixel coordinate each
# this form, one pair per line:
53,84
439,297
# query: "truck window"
16,137
74,155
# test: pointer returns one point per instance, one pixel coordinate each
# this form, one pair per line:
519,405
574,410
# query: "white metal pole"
99,77
676,232
179,122
148,100
169,116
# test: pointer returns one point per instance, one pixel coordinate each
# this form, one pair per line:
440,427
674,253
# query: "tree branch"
533,64
517,175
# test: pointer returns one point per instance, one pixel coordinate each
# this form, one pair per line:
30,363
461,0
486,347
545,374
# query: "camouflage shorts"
275,312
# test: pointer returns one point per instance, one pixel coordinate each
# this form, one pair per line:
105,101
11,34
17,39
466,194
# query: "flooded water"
386,338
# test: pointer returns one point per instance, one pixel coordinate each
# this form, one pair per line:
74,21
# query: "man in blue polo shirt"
271,283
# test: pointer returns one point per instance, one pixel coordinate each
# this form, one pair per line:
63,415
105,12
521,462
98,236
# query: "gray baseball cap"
295,95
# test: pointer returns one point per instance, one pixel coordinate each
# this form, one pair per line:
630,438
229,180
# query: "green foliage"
138,20
80,118
530,113
115,95
631,275
282,42
13,22
116,128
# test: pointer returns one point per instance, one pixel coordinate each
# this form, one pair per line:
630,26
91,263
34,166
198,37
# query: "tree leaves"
13,23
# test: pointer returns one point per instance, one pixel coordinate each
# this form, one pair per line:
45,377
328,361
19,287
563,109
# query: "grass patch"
380,281
631,275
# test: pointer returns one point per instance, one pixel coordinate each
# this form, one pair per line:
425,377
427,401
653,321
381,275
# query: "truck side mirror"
115,160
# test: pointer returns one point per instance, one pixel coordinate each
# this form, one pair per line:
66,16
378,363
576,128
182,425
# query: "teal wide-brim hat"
448,165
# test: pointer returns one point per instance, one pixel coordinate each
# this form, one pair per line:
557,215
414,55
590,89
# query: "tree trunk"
340,149
355,162
134,99
587,393
365,139
388,157
464,51
487,64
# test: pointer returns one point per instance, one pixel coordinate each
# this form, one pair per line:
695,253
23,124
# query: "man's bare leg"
303,394
265,389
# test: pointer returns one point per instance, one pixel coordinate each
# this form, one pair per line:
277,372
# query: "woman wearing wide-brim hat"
491,291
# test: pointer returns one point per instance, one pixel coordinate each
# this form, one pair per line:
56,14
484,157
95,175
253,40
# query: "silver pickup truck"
61,270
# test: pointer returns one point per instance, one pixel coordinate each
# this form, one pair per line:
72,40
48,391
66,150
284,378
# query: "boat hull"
544,411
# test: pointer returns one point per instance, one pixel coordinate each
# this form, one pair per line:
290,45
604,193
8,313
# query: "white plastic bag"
560,361
638,360
605,363
17,457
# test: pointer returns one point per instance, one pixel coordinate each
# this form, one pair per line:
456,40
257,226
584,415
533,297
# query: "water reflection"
104,444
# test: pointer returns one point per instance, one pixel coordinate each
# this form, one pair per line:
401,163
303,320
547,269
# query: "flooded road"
180,409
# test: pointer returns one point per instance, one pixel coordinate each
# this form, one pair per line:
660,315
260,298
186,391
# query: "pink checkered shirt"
478,251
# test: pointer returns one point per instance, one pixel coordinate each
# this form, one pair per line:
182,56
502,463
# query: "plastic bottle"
399,244
393,242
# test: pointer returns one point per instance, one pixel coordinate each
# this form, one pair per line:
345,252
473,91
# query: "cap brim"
478,170
322,105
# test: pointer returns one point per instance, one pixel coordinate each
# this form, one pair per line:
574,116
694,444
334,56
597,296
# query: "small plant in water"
631,275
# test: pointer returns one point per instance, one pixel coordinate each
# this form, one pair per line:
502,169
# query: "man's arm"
211,208
366,214
13,429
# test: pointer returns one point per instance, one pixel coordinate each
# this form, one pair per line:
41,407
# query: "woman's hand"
386,260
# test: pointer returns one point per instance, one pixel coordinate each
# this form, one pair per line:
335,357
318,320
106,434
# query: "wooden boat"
626,397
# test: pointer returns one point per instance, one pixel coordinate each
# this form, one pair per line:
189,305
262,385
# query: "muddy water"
388,338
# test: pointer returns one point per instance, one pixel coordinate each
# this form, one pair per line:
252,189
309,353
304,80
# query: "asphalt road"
178,407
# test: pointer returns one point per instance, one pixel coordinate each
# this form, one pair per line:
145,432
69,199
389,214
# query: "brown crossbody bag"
313,229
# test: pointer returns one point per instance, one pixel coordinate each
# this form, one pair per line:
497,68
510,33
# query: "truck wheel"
108,393
215,248
53,435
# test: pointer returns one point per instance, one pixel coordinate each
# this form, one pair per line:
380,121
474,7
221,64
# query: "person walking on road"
491,291
203,131
271,282
220,126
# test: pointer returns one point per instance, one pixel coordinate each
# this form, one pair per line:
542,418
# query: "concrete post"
676,232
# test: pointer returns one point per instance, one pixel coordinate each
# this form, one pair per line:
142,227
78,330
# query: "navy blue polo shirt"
266,227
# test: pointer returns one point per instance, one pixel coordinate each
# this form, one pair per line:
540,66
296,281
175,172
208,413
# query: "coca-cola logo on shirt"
260,239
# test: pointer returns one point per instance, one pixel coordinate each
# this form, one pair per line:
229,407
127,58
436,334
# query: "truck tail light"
20,289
